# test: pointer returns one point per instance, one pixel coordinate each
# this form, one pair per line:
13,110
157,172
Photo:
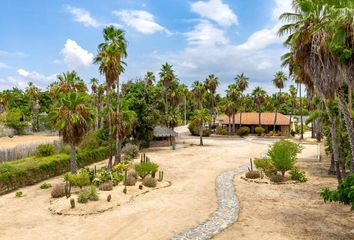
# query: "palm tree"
185,93
94,82
73,117
229,109
278,82
167,76
233,93
110,57
198,90
293,93
69,81
211,83
100,93
242,83
34,93
259,96
201,116
149,78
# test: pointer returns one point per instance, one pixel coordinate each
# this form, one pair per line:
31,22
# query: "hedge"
34,169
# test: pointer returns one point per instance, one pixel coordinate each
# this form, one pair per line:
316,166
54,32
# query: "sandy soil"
6,142
191,199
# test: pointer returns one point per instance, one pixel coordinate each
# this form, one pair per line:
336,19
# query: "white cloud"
217,11
3,65
205,33
142,21
23,77
75,56
12,54
83,16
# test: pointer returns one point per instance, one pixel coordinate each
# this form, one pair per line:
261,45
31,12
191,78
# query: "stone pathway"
225,215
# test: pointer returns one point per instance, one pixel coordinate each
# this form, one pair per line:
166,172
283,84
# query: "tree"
293,93
149,78
198,90
73,117
211,83
242,83
34,93
278,82
259,96
110,55
167,76
233,93
201,116
94,88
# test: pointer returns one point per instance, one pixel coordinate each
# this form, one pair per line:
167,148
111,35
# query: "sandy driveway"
156,215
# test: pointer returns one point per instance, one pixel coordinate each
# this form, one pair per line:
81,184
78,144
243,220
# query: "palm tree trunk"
276,111
259,116
73,163
233,123
291,114
350,98
301,118
240,119
99,119
229,124
110,137
348,123
117,158
201,135
341,146
335,149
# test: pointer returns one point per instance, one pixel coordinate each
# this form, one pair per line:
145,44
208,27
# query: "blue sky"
40,39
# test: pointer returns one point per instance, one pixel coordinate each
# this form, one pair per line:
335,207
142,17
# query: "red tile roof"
252,118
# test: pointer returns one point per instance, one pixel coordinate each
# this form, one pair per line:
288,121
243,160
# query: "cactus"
140,187
109,197
125,190
67,189
160,176
251,162
72,203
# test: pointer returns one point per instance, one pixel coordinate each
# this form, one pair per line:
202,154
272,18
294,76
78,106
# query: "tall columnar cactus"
160,176
72,203
67,189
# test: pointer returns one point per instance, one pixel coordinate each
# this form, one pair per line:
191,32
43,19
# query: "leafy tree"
201,116
14,120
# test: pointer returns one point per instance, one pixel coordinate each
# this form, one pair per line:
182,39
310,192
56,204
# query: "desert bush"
45,186
88,195
144,169
45,150
277,178
107,186
253,174
149,182
270,133
104,175
283,155
133,174
131,150
243,131
221,131
79,179
90,141
19,194
344,192
130,181
265,164
120,167
31,170
259,130
298,175
58,191
126,159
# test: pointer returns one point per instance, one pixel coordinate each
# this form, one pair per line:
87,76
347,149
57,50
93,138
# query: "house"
251,120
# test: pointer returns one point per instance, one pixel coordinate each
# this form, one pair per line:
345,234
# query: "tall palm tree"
259,96
149,78
211,83
278,82
242,83
69,81
198,90
201,116
110,58
229,109
293,94
167,76
233,93
94,88
185,93
73,117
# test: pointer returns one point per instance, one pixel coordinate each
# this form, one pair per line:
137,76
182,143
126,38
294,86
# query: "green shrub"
298,175
271,133
79,179
259,130
45,150
90,141
120,167
104,175
14,119
283,155
253,174
265,164
194,129
88,195
149,182
243,131
131,150
45,186
277,178
221,131
107,186
344,192
19,194
31,170
58,191
144,169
